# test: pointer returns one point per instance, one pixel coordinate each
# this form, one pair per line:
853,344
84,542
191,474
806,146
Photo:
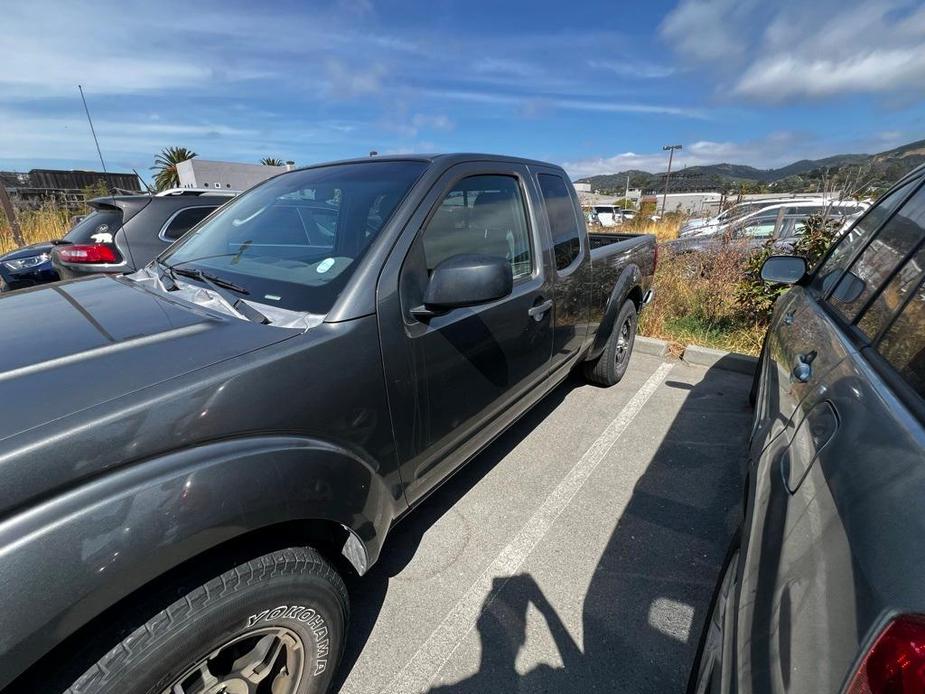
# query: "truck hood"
69,346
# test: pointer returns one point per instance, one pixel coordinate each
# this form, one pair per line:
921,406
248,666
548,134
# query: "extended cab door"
457,378
572,264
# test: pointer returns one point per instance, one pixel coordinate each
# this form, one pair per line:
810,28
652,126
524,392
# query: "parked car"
739,210
198,449
783,224
760,221
26,267
822,590
126,232
610,215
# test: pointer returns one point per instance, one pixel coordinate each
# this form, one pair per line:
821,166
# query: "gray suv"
823,589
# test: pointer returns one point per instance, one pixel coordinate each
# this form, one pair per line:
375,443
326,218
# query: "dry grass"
48,222
695,303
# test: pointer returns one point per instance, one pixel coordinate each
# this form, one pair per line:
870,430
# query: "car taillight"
895,663
89,253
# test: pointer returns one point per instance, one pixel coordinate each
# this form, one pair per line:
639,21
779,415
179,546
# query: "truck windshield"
295,240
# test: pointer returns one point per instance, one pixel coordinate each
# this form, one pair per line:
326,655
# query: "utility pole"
626,196
670,149
10,213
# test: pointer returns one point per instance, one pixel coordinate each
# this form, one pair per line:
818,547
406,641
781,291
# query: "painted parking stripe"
439,647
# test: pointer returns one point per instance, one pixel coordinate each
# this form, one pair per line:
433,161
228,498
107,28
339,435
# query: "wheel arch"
627,286
292,491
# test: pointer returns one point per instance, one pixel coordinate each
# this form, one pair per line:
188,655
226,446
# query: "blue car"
27,267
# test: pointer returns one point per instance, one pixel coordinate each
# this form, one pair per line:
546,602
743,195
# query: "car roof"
133,203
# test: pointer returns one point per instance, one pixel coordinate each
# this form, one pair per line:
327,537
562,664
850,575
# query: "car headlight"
26,263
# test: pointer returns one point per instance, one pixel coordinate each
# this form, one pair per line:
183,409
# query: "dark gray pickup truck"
192,455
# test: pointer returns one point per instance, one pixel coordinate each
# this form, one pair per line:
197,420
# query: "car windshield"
295,240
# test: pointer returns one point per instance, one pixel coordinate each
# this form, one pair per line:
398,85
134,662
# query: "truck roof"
447,159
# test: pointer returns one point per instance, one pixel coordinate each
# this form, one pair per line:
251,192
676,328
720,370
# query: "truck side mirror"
784,269
466,280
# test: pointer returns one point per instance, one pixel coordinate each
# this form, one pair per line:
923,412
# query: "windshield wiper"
217,285
201,275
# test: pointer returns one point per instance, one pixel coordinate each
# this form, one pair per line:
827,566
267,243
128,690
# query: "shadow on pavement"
368,593
647,601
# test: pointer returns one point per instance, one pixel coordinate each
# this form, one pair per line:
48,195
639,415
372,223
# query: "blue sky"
595,86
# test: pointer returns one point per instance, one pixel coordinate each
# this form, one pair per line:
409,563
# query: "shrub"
756,296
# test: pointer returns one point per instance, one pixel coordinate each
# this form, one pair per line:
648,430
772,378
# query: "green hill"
877,171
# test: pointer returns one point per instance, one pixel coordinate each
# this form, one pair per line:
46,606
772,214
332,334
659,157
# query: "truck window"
563,224
844,250
903,345
895,240
483,214
184,220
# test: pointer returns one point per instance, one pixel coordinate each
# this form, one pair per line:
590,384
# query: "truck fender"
629,279
85,549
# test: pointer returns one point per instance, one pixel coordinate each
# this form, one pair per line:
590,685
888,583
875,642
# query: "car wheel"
610,366
706,674
276,623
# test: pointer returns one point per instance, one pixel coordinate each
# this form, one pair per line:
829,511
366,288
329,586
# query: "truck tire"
609,367
279,620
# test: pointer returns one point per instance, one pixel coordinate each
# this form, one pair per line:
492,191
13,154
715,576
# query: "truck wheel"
608,369
276,623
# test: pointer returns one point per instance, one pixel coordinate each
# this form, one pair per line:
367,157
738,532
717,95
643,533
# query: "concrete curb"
731,361
649,345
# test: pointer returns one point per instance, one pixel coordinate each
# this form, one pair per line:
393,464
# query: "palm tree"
165,164
271,161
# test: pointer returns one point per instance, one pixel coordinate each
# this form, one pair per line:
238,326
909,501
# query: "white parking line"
439,647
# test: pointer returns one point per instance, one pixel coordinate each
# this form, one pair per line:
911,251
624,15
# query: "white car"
791,212
610,215
739,211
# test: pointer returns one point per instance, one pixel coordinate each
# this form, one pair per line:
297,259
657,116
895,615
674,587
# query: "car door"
456,379
825,426
571,262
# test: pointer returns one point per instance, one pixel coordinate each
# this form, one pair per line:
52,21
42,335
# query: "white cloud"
793,50
706,30
775,149
539,103
633,69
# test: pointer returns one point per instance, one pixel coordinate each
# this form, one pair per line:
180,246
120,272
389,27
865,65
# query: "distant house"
39,185
224,175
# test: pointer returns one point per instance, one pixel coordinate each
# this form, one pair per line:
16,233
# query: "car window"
898,237
99,226
294,240
184,220
903,345
894,294
482,215
758,227
832,266
563,224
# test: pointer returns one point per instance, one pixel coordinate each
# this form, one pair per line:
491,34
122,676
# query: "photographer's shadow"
502,627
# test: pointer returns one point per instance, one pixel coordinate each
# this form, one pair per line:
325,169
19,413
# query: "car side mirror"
466,280
784,269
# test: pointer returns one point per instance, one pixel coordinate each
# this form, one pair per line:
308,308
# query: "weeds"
46,223
696,302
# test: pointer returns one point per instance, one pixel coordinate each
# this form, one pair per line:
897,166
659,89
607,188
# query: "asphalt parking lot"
577,554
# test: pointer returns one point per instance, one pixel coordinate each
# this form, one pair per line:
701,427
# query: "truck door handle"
803,369
536,312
